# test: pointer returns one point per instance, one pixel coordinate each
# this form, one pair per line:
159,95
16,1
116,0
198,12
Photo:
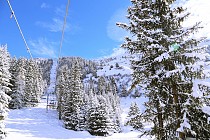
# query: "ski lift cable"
13,14
63,29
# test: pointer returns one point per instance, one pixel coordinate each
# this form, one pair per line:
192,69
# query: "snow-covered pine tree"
134,118
18,93
84,108
114,85
61,86
15,101
99,122
101,86
117,112
168,62
110,110
113,103
12,70
32,91
39,82
136,93
114,111
63,93
46,66
124,92
74,100
4,87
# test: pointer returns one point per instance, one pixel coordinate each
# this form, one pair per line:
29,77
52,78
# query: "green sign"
175,46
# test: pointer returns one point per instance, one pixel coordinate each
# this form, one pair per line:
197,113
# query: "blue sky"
90,31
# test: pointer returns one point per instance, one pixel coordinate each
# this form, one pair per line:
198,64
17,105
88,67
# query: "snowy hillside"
115,65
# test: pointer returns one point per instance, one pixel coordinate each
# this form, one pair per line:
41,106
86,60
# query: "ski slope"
53,73
37,124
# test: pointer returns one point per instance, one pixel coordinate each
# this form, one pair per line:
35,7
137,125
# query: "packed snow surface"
51,87
36,123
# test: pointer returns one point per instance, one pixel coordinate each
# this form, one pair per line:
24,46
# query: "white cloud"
56,25
199,10
44,5
60,11
43,48
116,52
114,32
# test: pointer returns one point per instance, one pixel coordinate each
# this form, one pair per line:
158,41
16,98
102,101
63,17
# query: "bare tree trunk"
177,109
160,122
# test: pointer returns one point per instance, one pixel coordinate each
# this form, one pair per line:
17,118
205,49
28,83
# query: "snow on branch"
162,56
206,109
185,124
197,55
197,92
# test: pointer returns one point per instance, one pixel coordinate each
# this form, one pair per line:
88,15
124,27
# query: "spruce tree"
114,111
20,81
113,102
101,86
32,82
12,71
99,122
61,86
134,118
124,92
136,93
4,87
74,99
168,66
17,93
114,86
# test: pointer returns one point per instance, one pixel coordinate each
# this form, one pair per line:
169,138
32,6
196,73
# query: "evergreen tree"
98,119
168,65
101,86
136,94
12,71
113,101
114,86
74,99
4,87
118,111
32,89
17,93
134,118
62,85
39,81
114,110
124,92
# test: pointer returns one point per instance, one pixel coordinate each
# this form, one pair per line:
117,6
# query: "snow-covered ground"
51,87
109,64
38,124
